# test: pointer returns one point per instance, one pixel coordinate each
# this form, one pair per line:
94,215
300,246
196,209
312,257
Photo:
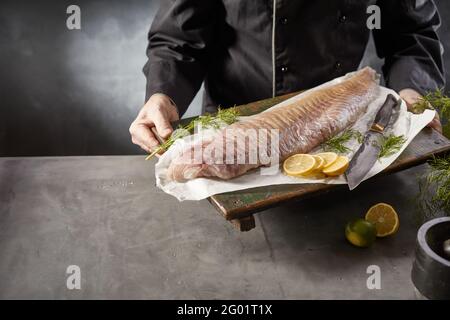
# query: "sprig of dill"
434,189
436,100
223,116
391,144
433,198
440,174
338,143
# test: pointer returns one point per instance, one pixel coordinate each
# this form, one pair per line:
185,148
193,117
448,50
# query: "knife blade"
366,156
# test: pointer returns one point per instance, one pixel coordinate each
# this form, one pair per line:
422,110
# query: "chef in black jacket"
247,50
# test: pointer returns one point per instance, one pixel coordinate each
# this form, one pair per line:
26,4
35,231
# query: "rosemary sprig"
223,116
390,145
337,143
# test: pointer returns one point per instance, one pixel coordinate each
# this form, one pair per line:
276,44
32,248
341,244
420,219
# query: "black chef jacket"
247,50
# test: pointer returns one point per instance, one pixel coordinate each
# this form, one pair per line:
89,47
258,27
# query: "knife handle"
384,114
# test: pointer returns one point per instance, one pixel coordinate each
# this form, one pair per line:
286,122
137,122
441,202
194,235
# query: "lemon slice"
385,219
328,157
299,164
338,167
316,173
320,163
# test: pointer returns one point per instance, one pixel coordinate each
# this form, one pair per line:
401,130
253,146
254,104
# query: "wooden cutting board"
239,206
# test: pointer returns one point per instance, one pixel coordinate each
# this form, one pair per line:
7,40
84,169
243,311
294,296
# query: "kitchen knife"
368,153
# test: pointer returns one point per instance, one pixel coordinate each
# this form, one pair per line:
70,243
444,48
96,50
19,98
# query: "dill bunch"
433,198
228,116
206,121
436,100
440,174
338,143
391,144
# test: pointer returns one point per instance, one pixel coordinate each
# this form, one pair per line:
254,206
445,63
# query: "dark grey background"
75,92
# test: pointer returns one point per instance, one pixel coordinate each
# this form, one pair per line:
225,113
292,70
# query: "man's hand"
158,112
411,97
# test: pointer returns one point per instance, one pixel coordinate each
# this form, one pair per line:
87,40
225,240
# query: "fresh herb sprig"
391,144
338,143
433,198
440,174
223,116
434,100
434,189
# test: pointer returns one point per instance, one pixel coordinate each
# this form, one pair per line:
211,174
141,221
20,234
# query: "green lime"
360,233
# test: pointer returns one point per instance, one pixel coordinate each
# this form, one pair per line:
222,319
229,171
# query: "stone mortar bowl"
431,268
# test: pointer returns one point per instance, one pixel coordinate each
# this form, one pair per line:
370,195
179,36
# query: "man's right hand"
158,112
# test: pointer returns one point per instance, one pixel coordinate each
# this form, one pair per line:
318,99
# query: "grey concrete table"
131,241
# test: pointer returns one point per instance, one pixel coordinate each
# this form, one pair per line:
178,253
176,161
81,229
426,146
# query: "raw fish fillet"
301,126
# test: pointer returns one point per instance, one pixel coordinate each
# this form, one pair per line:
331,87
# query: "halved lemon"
299,164
338,167
328,157
385,219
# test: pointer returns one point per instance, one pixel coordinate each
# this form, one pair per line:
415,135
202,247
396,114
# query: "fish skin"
302,126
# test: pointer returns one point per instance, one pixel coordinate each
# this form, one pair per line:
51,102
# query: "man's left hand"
411,97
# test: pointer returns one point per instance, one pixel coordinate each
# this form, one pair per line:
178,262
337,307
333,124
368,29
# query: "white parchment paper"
402,123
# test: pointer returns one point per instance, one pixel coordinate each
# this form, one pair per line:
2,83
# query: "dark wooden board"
242,204
238,207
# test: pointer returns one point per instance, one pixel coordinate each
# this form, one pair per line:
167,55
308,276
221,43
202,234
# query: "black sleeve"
177,49
410,45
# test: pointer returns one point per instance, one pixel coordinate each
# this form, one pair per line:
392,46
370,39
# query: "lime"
360,233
